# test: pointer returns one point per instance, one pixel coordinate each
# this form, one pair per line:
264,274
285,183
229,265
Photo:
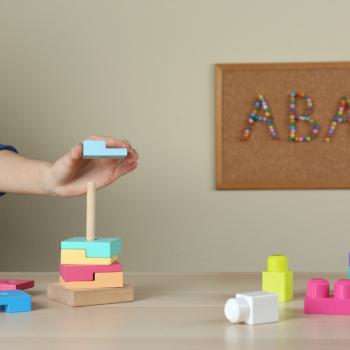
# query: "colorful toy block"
252,308
13,284
98,248
70,273
12,301
78,257
98,149
319,301
278,279
101,280
86,297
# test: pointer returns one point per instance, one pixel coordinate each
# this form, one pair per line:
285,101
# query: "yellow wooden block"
78,257
102,280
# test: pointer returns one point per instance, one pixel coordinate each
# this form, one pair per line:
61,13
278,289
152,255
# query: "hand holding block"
86,297
252,308
101,280
12,301
71,273
99,248
98,149
6,284
278,279
78,257
318,300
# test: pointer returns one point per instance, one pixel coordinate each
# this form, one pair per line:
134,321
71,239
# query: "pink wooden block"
72,273
318,300
10,284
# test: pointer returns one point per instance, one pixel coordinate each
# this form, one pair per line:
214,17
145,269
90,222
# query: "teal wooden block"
12,301
98,248
98,149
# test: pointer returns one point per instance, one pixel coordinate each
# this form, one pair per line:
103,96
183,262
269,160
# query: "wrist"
48,184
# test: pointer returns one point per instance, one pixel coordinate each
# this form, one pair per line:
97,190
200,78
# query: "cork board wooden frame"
262,163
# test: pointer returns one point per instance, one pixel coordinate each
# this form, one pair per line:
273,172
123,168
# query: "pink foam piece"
12,284
318,300
72,273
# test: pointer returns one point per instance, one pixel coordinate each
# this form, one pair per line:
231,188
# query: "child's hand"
69,175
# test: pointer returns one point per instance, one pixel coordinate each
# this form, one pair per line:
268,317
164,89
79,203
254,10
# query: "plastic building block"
12,301
86,297
278,279
12,284
98,149
101,280
319,301
78,257
98,248
70,273
252,308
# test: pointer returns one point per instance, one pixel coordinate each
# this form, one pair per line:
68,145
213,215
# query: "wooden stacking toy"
90,272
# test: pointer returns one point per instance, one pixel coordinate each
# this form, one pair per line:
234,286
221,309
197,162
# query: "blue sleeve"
8,148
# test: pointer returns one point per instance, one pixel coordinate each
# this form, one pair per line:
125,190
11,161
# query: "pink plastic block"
318,300
72,273
7,284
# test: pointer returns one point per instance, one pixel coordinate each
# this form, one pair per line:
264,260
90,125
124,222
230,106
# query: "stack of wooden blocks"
90,273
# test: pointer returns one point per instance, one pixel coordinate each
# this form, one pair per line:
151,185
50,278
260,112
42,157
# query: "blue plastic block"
12,301
98,149
99,248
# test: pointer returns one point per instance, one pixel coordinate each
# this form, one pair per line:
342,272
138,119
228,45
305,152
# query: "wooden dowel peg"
90,211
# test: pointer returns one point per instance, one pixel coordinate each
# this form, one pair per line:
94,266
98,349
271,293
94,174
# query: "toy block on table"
88,297
319,301
12,301
98,248
101,280
252,308
70,273
278,279
13,284
78,257
98,149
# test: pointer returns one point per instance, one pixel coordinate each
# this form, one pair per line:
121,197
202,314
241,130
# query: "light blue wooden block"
98,149
99,248
12,301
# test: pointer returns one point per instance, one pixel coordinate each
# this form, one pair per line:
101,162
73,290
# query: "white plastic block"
252,308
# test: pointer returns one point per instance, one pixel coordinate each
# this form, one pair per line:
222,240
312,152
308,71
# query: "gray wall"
144,70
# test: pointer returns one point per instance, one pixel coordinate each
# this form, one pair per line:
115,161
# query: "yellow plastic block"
102,280
78,257
278,279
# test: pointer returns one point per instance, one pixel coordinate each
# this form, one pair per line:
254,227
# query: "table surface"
171,311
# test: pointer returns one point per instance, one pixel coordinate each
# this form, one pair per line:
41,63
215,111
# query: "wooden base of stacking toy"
88,297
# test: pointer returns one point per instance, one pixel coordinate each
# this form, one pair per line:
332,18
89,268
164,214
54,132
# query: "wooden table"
171,311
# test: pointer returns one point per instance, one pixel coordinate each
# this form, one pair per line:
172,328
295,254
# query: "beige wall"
144,70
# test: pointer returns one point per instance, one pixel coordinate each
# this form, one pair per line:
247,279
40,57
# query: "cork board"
262,162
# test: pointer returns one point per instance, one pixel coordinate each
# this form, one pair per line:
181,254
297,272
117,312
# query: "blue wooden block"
12,301
99,248
98,149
